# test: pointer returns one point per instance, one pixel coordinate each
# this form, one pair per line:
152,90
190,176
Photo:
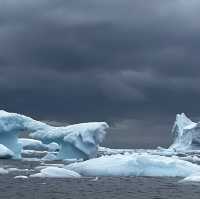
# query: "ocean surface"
94,188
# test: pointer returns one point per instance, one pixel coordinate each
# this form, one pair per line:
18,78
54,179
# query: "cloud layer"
102,60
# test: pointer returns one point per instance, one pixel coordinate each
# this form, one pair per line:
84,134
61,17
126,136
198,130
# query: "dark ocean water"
90,188
103,188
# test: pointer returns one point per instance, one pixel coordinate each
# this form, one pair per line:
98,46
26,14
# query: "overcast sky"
132,63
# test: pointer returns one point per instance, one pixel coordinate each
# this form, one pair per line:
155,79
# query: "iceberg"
12,124
56,172
186,134
134,165
78,141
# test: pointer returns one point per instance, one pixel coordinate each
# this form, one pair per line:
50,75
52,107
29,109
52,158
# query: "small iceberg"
56,172
135,165
186,134
79,141
192,178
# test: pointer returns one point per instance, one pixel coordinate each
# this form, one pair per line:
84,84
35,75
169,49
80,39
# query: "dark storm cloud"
102,60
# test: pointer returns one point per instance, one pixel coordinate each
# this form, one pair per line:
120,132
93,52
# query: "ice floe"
134,165
56,172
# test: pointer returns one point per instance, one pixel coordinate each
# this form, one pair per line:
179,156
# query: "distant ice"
186,134
21,177
16,169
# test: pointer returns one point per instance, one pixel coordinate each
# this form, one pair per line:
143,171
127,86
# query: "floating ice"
192,178
34,152
3,171
134,165
56,172
21,177
16,169
186,134
76,141
5,153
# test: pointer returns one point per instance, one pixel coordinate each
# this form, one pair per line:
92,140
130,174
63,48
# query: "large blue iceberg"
79,141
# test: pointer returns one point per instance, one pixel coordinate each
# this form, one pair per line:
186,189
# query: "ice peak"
184,132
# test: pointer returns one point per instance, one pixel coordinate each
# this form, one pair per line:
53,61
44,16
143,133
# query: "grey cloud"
114,60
